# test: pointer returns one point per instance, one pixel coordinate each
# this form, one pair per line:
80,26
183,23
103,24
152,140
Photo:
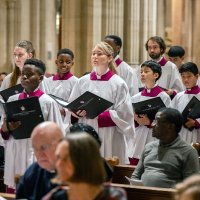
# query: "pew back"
146,193
119,173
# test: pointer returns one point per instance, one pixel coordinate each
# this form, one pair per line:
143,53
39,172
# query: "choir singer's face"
99,58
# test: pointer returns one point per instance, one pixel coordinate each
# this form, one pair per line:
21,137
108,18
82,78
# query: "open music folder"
149,107
11,91
192,110
91,103
28,111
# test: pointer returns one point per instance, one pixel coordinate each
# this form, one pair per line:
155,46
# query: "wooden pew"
7,196
146,193
119,173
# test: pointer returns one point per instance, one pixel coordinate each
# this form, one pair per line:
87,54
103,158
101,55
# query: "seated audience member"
169,160
79,165
189,189
2,76
176,55
85,128
35,183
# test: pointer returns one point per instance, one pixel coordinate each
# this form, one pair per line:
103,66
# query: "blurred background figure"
176,55
2,76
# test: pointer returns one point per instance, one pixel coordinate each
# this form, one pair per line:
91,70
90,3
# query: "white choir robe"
116,140
170,77
129,75
179,102
60,88
19,154
144,133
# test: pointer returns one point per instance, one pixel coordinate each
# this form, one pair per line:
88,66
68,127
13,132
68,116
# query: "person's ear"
156,75
56,61
30,55
41,78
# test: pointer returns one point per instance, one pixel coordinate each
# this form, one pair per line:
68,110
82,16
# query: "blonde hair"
28,46
108,50
190,186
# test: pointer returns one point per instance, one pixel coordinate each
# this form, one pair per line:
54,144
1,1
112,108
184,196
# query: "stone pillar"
48,43
195,47
77,32
10,31
4,66
35,25
132,32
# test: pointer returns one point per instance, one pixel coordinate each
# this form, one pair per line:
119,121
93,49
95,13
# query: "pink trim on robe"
153,93
193,90
163,61
118,61
38,93
197,125
66,76
104,77
105,120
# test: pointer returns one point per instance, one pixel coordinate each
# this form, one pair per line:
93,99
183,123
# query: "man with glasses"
168,160
36,181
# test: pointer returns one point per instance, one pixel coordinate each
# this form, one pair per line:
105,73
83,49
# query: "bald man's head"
45,138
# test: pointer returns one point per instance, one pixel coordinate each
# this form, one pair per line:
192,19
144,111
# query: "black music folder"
28,111
91,103
192,110
11,91
149,107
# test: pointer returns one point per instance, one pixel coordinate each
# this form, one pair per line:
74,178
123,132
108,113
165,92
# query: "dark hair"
85,156
85,128
4,73
65,51
189,67
158,40
176,51
117,39
173,116
38,64
154,66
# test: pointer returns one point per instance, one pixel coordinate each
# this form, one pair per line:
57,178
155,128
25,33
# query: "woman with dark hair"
79,165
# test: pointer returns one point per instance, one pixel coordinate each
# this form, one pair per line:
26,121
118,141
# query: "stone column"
35,25
132,32
4,66
48,43
10,31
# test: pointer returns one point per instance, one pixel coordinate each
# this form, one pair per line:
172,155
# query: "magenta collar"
118,61
193,90
104,77
152,93
163,61
37,93
66,76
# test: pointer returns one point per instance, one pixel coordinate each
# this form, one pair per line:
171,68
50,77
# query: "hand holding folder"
27,112
91,103
192,110
11,91
149,107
